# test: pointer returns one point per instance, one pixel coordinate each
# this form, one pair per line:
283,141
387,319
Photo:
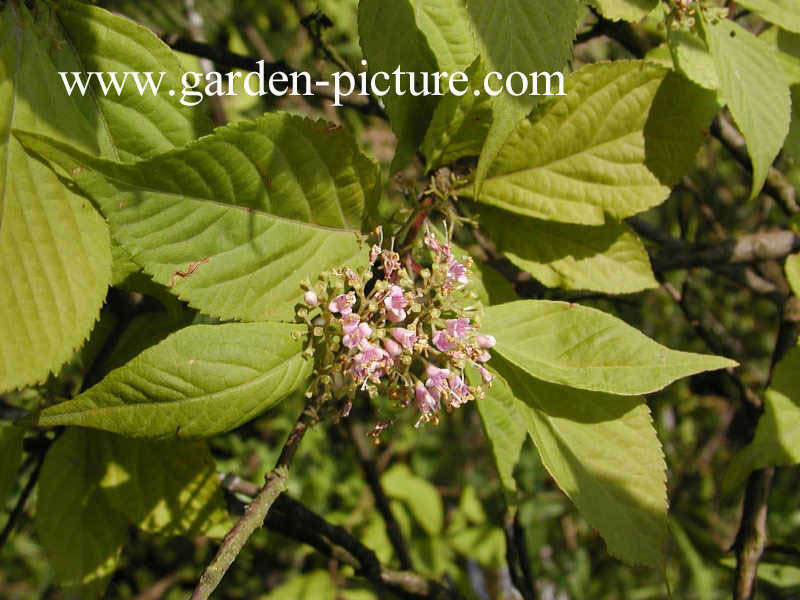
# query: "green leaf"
788,46
504,430
11,453
200,381
777,438
691,57
758,99
140,125
421,498
677,127
81,532
170,488
607,258
446,27
316,584
625,10
603,452
586,348
583,155
785,13
538,39
55,259
235,221
390,38
793,273
460,124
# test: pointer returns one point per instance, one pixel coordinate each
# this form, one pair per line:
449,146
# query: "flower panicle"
398,330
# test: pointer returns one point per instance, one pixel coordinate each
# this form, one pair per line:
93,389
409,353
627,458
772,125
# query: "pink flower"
392,347
457,273
458,328
485,340
443,250
310,299
485,374
343,303
374,252
437,380
443,340
350,322
427,404
405,337
484,357
460,391
370,362
357,337
391,262
395,304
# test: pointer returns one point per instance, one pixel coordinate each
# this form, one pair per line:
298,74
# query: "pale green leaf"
446,27
536,39
504,430
390,38
691,57
140,125
607,258
586,348
677,127
582,155
793,273
81,532
460,124
785,13
235,221
753,87
200,381
625,10
788,46
170,488
10,458
55,259
777,438
419,496
603,452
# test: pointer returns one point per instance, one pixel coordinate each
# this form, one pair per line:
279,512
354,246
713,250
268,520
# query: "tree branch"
257,510
13,518
752,534
294,520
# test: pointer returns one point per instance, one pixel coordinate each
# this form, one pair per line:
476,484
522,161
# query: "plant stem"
257,510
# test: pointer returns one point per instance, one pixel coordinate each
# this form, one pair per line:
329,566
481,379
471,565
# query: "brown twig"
294,520
16,512
752,534
257,510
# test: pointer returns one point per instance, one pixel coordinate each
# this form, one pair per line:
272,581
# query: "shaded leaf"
170,488
777,438
588,349
200,381
607,258
677,127
758,100
603,452
10,458
421,498
78,528
691,57
390,38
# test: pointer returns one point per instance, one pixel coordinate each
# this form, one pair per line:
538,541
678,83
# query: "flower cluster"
402,329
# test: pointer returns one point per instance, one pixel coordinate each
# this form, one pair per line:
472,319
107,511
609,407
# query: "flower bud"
310,299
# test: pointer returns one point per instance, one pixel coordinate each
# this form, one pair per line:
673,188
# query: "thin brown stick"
257,510
752,535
